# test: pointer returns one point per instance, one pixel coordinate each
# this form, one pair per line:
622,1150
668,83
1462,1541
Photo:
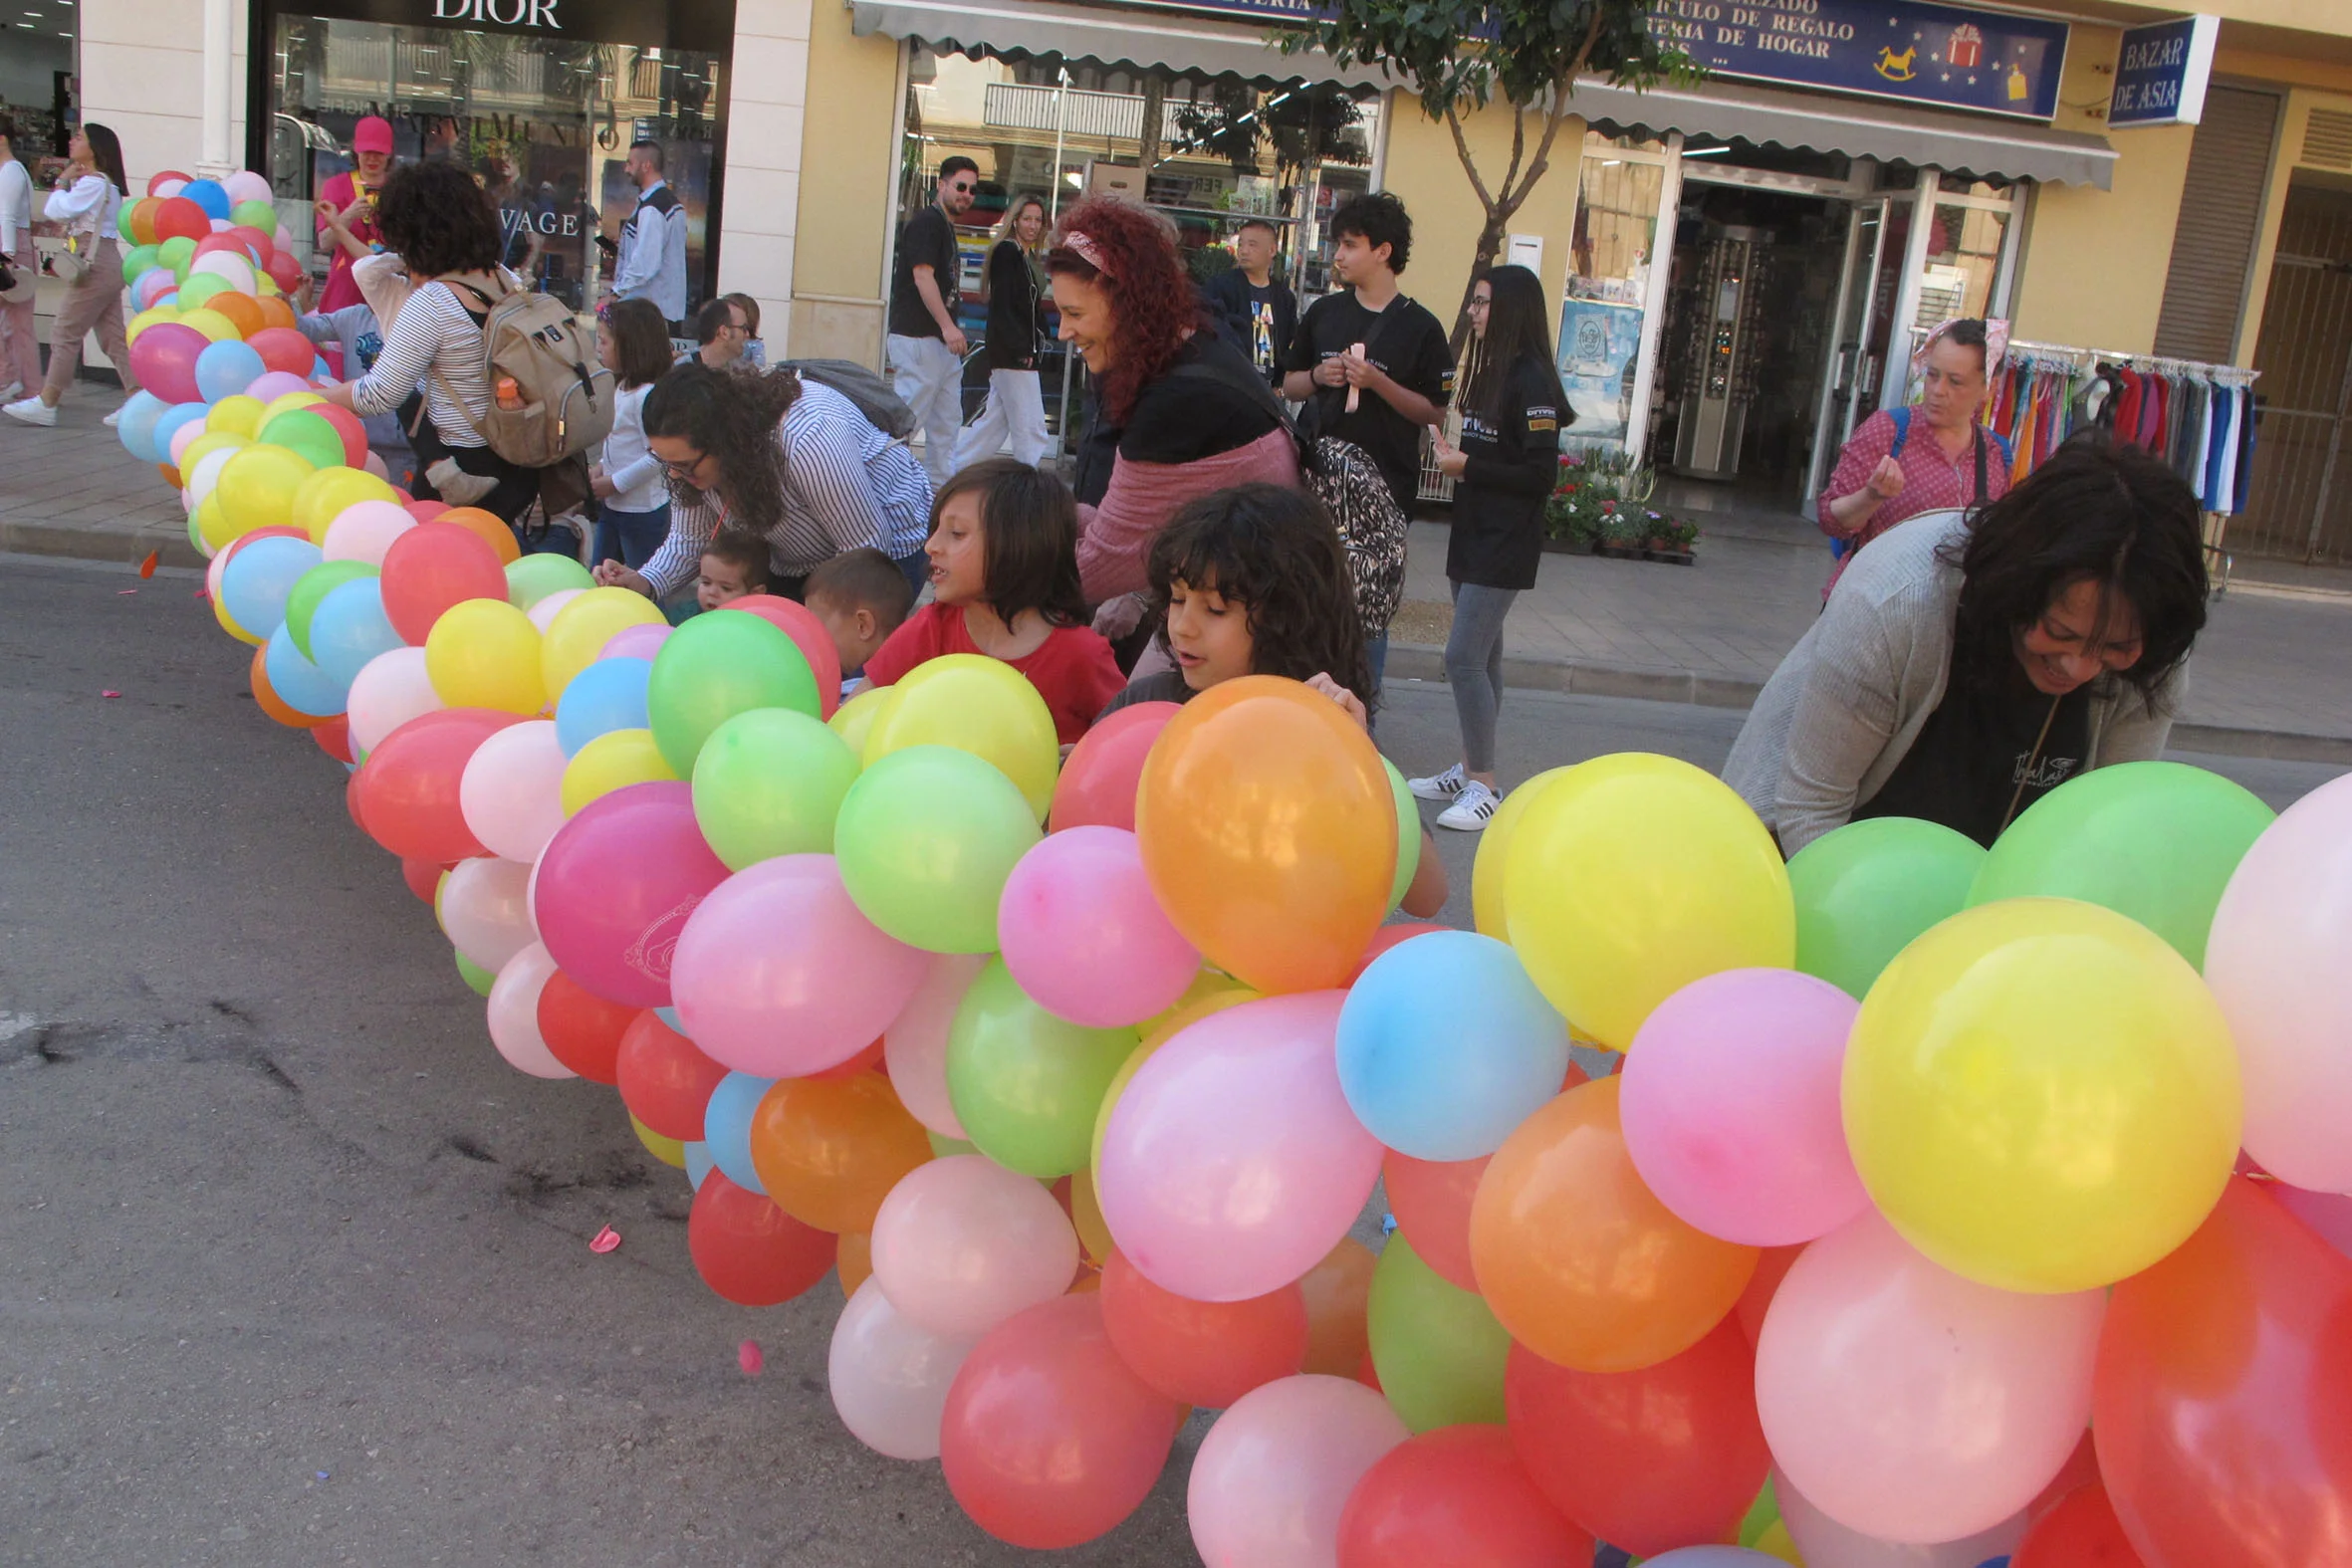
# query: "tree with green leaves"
1458,56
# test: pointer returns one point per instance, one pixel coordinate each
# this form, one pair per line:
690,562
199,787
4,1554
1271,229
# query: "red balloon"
2222,1403
2082,1531
1669,1455
179,218
258,245
665,1080
1049,1439
424,510
1431,1201
156,179
334,738
1097,783
750,1252
799,622
346,425
2079,1470
284,349
1456,1495
431,568
351,800
616,887
867,1060
581,1030
407,787
1771,1268
422,876
1389,936
226,240
1205,1353
284,270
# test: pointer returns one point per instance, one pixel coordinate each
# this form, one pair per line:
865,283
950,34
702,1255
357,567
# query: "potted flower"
1623,531
1672,539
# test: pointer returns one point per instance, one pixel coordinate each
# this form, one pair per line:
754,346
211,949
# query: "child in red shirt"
1005,584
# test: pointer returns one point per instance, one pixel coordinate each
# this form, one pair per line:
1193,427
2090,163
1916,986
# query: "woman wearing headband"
1929,457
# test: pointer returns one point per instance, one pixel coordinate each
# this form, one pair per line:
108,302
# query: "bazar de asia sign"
1988,60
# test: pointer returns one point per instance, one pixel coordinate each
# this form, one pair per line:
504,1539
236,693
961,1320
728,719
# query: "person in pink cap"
347,210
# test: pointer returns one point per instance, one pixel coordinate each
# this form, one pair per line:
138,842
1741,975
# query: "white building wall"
767,106
143,73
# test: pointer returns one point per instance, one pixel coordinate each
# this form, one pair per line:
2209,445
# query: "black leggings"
517,486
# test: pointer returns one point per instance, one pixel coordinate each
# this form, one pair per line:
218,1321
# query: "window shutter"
2220,218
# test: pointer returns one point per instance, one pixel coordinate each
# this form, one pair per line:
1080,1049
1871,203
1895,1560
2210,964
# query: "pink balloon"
512,792
514,1014
1232,1164
1274,1472
424,510
391,689
182,439
1730,1106
637,642
1910,1404
246,186
914,1047
363,530
164,360
618,884
962,1244
2276,962
543,615
1825,1543
1085,936
271,385
483,911
778,975
888,1378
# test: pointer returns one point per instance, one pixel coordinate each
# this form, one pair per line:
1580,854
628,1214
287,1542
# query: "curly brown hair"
439,220
1152,303
732,416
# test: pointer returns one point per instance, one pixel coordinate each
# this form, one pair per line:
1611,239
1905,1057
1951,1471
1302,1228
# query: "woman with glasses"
782,458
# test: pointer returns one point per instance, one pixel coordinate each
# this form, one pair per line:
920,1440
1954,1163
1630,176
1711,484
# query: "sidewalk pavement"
2271,675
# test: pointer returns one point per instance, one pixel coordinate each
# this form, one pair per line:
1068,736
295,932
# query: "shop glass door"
1849,383
1621,186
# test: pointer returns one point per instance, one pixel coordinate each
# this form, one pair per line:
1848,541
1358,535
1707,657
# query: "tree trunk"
1490,245
1155,98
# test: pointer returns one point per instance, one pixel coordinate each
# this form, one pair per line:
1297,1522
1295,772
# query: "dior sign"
501,13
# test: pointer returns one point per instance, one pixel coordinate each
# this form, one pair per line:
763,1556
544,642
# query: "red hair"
1132,260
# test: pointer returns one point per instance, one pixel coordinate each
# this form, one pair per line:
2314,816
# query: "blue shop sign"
2161,76
1988,60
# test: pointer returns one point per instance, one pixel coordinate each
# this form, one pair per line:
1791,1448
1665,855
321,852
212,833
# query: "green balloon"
770,782
1025,1083
1864,891
200,289
138,259
715,667
254,214
944,1148
175,253
1762,1514
122,230
1408,835
533,577
925,840
305,434
312,587
474,973
1437,1349
2157,841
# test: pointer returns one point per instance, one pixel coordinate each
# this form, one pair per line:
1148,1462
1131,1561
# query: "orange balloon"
1268,832
829,1151
272,704
170,475
494,533
242,309
1339,1293
854,1261
275,312
1578,1260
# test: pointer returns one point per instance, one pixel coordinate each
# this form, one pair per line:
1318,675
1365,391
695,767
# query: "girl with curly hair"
791,461
1179,412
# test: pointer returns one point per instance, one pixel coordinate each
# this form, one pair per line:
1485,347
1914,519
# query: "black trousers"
516,487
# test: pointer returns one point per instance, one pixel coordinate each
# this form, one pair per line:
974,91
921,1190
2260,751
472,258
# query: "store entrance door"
1876,230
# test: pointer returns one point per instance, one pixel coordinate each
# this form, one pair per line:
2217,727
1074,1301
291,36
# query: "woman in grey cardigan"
1961,672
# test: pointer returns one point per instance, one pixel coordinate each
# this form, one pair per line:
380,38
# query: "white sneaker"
1471,809
31,411
112,419
1439,787
9,392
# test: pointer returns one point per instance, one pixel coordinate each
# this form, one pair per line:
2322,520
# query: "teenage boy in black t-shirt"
1374,345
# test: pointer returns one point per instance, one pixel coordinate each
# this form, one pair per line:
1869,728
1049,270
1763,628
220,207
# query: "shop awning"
1170,39
1890,133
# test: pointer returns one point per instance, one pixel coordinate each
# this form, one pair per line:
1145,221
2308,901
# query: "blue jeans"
631,538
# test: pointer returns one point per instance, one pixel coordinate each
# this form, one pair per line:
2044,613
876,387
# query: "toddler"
734,563
861,597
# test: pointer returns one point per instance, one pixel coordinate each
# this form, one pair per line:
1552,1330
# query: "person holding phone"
347,211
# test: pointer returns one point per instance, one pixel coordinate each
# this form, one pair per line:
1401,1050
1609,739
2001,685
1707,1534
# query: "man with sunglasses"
926,346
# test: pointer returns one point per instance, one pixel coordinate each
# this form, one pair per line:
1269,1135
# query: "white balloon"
485,913
1825,1543
889,1379
364,529
206,473
512,789
514,1014
915,1045
245,186
962,1244
543,615
234,268
391,689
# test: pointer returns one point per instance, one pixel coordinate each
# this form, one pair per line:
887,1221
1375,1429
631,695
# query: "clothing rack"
2222,374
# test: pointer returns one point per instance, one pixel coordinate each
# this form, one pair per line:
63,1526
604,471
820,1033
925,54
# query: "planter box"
1678,557
1567,547
1618,552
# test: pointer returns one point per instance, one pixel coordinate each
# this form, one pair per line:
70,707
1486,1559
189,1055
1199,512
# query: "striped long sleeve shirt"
431,331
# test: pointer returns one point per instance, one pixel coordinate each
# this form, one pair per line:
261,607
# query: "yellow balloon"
221,615
1085,1214
1633,875
210,441
613,760
146,318
323,496
581,628
2041,1095
669,1151
286,401
1493,853
855,720
483,653
1776,1541
257,487
237,415
216,527
979,705
213,324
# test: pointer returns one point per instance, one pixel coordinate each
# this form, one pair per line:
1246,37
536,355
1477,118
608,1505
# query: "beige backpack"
564,398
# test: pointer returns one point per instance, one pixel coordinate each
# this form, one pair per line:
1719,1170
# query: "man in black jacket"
1255,306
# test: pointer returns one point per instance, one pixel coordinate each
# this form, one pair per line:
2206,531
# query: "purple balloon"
615,886
164,360
637,642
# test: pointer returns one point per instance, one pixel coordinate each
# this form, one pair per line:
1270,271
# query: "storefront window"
544,123
1601,319
1963,259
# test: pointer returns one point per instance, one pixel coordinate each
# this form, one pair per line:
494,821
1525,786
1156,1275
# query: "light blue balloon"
1710,1557
727,1126
226,368
137,428
349,628
1445,1046
167,424
208,194
698,1162
669,1016
321,370
608,695
299,683
254,585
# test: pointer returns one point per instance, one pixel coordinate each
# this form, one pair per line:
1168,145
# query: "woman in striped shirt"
787,459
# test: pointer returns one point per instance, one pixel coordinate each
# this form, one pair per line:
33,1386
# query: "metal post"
1060,130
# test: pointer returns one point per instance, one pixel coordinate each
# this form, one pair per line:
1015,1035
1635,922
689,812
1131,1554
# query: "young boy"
734,563
861,597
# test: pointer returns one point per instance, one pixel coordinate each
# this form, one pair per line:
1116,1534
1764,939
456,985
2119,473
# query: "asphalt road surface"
296,1269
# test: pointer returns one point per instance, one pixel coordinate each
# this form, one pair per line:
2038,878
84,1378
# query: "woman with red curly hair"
1183,411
